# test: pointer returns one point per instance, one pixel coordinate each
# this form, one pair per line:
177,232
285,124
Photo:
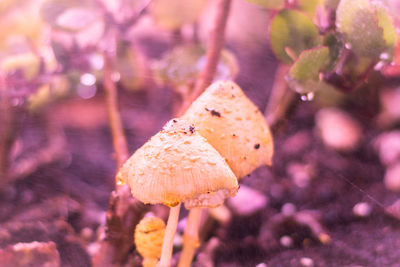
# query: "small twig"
215,45
123,212
127,24
6,131
124,26
343,59
280,97
118,136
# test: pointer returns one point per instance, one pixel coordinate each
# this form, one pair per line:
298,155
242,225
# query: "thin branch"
123,26
127,24
123,212
6,131
280,97
118,136
215,45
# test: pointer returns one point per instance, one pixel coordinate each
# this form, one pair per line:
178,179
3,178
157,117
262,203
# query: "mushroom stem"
190,238
166,251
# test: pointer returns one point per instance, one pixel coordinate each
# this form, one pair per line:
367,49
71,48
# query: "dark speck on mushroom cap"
178,125
213,112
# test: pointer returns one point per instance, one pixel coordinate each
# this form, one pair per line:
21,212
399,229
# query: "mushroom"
233,125
236,128
178,165
149,235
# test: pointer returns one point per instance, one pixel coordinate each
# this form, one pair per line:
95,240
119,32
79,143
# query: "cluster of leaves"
180,66
331,43
57,48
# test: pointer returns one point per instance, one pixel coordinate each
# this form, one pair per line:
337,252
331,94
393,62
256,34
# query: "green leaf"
181,66
270,4
303,76
357,20
385,21
173,14
293,31
71,15
346,11
365,36
309,64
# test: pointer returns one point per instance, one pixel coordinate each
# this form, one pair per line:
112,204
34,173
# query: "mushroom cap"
233,125
149,236
179,165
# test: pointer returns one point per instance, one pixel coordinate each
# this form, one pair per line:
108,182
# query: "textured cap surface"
178,165
233,125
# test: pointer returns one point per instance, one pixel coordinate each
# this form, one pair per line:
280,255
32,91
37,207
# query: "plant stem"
119,140
123,212
215,45
166,252
280,97
191,238
6,136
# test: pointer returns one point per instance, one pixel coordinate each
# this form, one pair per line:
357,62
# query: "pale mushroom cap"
233,125
179,165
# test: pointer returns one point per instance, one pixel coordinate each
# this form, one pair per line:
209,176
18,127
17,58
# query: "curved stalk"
215,45
191,238
166,251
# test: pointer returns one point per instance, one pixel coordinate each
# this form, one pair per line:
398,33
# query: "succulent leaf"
291,30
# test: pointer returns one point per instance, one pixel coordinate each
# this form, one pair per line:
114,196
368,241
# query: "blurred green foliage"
358,37
292,31
182,65
327,43
271,4
173,14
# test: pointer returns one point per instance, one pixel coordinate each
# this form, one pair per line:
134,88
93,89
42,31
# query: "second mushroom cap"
178,165
233,125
